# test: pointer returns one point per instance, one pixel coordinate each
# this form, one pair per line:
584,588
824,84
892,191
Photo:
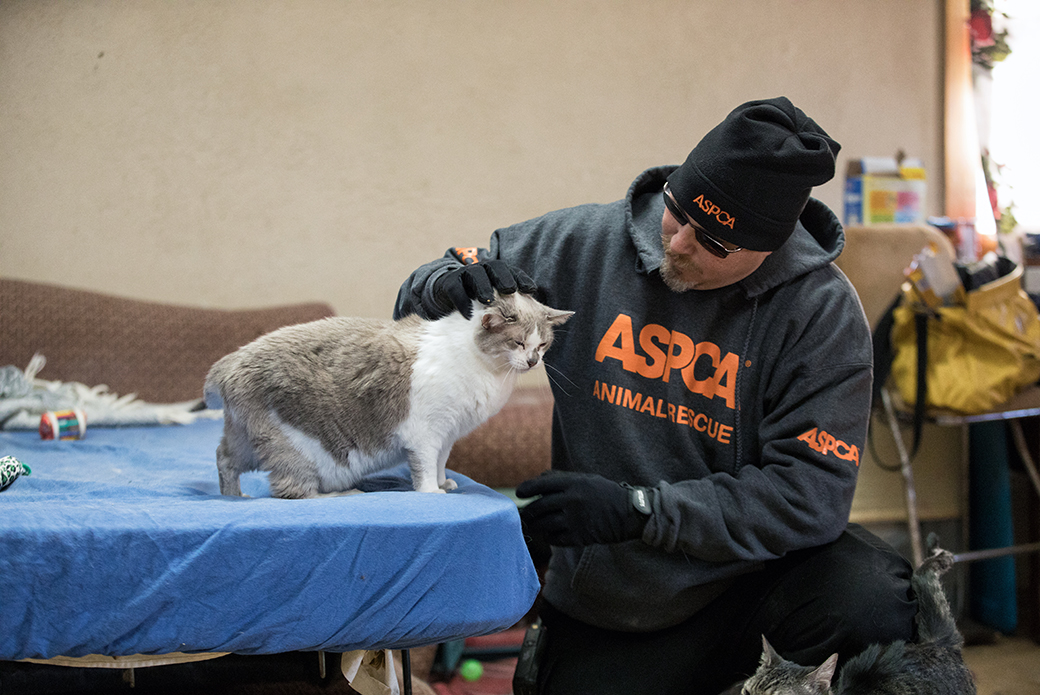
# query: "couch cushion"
511,446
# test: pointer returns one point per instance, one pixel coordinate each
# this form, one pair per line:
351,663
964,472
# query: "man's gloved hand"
457,288
582,509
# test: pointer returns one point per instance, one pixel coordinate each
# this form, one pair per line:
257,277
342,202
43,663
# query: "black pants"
840,597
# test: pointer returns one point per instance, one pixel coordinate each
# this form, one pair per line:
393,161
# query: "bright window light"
1014,140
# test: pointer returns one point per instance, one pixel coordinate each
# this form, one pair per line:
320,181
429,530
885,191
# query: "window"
1013,138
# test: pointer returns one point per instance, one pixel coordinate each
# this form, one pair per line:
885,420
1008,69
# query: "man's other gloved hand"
581,509
457,288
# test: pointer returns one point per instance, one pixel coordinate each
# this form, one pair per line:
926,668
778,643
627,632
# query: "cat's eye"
519,344
509,318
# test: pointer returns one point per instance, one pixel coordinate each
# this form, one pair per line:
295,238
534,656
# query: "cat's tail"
935,621
212,394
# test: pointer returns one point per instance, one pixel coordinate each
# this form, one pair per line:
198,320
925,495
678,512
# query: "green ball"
471,670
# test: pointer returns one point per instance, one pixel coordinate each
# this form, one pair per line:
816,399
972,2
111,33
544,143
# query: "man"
711,406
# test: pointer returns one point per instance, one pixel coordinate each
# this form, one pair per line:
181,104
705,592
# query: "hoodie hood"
818,238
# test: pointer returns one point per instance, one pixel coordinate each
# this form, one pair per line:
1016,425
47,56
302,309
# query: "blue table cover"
120,544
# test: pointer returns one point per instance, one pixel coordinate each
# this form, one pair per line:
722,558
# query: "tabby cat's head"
778,676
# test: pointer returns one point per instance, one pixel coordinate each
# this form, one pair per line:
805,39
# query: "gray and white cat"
320,405
933,665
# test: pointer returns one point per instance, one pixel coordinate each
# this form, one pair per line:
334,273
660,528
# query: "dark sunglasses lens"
673,208
712,245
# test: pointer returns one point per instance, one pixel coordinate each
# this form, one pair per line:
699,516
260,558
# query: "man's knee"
881,600
860,595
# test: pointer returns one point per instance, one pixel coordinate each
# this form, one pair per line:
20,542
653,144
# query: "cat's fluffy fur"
322,404
933,665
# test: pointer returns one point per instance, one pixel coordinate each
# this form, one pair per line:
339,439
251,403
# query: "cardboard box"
880,190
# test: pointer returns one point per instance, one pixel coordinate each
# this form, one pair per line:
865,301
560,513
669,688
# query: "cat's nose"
532,361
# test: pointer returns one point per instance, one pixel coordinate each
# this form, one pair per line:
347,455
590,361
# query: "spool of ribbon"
63,424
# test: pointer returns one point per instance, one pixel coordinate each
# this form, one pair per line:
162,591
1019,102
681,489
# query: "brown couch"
161,352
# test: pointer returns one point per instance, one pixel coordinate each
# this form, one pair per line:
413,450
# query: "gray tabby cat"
931,666
320,405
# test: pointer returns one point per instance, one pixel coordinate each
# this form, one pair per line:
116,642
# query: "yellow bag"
980,350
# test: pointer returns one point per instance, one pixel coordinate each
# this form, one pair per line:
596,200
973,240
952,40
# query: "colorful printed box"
881,190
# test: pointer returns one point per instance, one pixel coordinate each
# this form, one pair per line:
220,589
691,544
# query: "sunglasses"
714,246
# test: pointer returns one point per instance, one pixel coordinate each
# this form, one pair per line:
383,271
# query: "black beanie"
748,180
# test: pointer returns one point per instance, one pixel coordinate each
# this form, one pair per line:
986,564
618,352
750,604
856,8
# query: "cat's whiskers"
558,384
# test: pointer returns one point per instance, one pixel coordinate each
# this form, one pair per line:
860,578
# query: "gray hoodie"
746,407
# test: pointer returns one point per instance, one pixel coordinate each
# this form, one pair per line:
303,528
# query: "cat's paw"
448,485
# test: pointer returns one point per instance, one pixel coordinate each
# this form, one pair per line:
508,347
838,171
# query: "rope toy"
10,469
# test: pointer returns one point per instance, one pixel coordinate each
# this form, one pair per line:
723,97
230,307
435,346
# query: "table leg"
406,670
912,521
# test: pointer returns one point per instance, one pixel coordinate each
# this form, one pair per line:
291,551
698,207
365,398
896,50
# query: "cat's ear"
825,673
557,317
769,655
493,320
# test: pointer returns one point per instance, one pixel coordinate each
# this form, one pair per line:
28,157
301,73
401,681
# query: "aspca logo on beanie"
713,210
759,166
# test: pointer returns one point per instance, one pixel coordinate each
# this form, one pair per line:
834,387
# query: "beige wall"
241,153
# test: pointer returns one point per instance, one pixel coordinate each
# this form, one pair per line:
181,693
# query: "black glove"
583,509
457,288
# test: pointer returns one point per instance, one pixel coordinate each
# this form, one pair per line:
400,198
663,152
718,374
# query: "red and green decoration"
987,46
